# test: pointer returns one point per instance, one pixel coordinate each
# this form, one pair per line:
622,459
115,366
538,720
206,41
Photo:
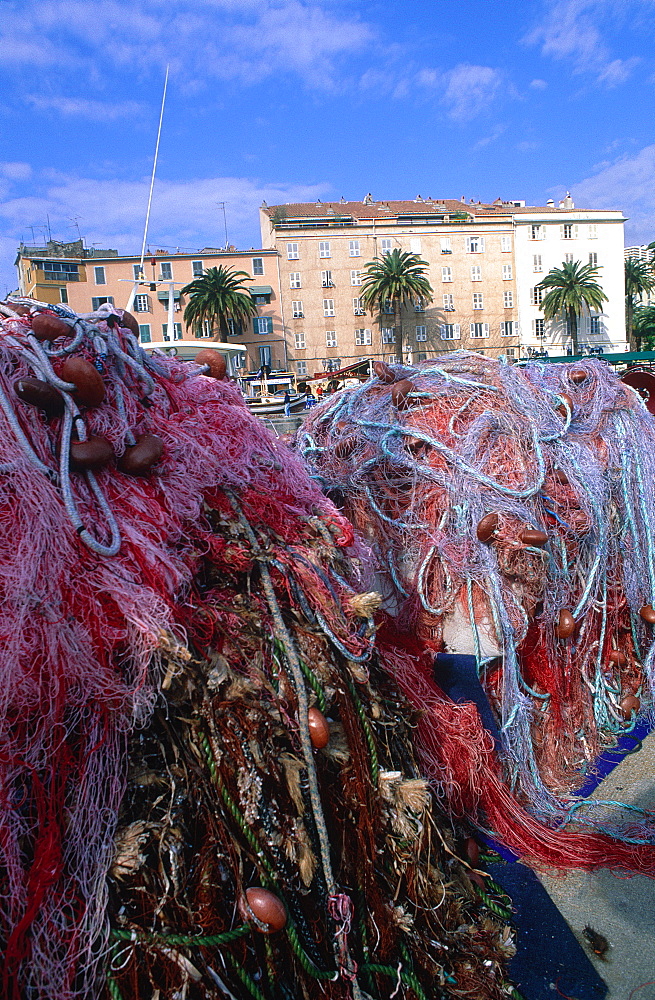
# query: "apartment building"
86,278
644,253
480,263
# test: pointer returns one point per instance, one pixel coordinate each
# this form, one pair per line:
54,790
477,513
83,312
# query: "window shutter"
482,244
442,331
486,330
94,304
561,232
468,244
502,328
471,329
517,329
255,324
456,331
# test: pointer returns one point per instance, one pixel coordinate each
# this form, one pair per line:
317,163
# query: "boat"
264,393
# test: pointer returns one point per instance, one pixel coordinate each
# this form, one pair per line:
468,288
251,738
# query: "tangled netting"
207,789
511,515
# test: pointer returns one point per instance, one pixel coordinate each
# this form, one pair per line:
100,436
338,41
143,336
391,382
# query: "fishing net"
207,786
510,515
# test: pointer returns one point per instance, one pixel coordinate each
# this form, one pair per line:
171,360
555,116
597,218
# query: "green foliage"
570,289
219,295
644,327
400,278
639,278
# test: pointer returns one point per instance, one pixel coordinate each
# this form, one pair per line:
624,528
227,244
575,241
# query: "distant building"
484,262
85,279
642,253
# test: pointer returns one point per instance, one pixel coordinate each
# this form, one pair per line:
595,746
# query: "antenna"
154,168
221,204
76,223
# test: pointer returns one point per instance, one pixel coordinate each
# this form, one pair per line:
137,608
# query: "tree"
216,297
644,327
569,290
639,278
398,278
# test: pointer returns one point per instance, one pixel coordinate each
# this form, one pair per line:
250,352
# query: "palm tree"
639,278
216,297
397,278
569,290
644,327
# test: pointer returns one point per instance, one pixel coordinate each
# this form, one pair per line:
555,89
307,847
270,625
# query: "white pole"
154,168
171,306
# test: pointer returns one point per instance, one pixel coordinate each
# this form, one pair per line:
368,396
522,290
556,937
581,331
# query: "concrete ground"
621,909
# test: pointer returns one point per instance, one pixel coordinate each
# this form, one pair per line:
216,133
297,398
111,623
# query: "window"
166,270
446,245
391,359
292,252
476,273
265,357
536,296
301,367
300,342
568,231
594,325
328,307
385,246
506,244
593,259
407,357
362,338
387,307
593,232
387,335
509,328
58,271
233,329
294,279
144,333
478,300
446,274
324,248
100,278
536,263
330,338
206,329
102,300
449,302
568,258
475,244
450,331
422,356
508,300
415,245
421,333
137,271
353,248
238,361
262,299
326,279
63,294
355,277
537,232
510,353
358,307
507,272
419,306
177,331
296,309
142,303
262,325
257,266
479,331
539,327
197,268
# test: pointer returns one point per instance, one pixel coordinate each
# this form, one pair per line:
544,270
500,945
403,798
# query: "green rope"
513,992
368,733
304,958
499,891
408,978
247,980
315,685
114,991
210,941
491,904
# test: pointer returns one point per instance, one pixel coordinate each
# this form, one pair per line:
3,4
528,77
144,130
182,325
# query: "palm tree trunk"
398,332
634,340
573,330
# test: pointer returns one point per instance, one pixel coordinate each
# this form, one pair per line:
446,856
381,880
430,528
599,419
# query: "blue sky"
289,100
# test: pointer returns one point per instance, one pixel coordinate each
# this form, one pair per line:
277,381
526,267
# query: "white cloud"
570,30
248,40
15,171
538,84
111,213
627,184
470,90
80,107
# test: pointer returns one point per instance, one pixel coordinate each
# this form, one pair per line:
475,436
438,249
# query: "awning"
261,290
163,296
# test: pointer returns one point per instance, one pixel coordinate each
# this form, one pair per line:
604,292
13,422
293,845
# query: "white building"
545,239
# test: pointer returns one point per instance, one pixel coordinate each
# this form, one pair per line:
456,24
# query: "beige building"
481,263
84,279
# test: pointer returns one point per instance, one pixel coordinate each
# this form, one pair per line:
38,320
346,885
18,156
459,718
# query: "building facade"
85,279
481,262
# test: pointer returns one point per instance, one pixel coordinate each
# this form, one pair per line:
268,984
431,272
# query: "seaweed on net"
510,512
157,659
